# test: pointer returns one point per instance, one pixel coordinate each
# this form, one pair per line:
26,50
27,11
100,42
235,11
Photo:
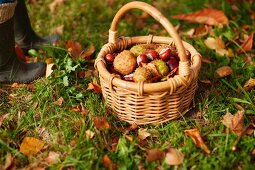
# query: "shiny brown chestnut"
172,63
109,58
151,54
165,54
142,58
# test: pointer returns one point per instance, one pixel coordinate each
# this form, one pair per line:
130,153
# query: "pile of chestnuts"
144,62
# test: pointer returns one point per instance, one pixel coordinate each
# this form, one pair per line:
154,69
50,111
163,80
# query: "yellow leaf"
249,84
224,71
31,146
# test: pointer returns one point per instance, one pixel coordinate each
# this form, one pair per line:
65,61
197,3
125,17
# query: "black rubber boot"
25,36
12,69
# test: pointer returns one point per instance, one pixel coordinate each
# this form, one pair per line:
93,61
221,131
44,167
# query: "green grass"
33,110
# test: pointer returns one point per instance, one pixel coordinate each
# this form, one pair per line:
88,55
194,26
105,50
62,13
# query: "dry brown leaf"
154,155
224,71
200,31
53,157
31,146
114,143
94,86
58,30
205,16
74,48
234,122
53,5
80,108
216,44
107,161
248,85
86,55
87,73
197,139
49,69
174,157
247,44
143,134
101,123
16,85
206,81
59,102
9,163
89,134
2,118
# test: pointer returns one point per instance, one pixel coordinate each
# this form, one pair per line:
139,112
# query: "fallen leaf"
143,134
101,123
224,71
206,81
114,142
247,44
174,157
234,122
53,5
197,139
53,157
130,128
87,73
205,16
9,162
80,108
58,30
216,44
59,102
89,134
107,161
74,141
49,69
2,118
16,85
154,155
198,32
94,86
248,85
86,55
74,48
31,146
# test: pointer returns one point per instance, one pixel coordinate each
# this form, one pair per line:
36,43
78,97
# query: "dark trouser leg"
25,36
11,68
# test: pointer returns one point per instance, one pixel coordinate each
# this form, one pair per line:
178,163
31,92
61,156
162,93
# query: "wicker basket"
148,103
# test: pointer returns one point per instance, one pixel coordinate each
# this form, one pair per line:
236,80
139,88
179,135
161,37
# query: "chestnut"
111,69
109,58
165,54
172,63
151,54
142,58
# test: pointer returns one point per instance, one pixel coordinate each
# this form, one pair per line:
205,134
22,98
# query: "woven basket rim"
100,64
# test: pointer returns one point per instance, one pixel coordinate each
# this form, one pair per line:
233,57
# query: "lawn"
60,114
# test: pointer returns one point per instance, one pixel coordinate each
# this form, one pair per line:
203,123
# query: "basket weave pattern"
148,103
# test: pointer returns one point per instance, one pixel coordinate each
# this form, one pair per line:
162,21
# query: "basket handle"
184,65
